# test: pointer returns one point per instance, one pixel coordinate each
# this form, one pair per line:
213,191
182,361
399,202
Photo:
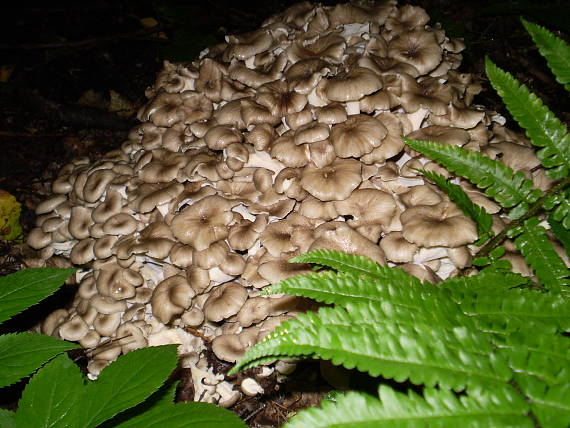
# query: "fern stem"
534,210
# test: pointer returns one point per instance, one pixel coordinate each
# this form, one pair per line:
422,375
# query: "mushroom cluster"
277,142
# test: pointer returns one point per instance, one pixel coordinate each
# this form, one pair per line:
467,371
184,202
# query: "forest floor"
72,76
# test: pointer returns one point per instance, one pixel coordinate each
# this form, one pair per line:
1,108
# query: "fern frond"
355,264
541,125
454,358
342,288
482,219
509,189
497,408
464,288
560,232
534,353
562,212
512,308
555,50
549,404
540,255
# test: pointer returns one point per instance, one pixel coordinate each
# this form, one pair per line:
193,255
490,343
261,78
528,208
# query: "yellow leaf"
6,72
10,208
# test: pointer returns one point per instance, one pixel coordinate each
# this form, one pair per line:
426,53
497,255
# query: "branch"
534,209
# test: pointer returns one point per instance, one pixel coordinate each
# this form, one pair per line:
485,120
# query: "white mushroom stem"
264,160
250,387
417,118
427,254
352,107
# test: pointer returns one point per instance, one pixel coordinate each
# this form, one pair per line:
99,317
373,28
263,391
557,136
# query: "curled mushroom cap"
441,225
254,310
357,136
229,347
171,297
332,182
280,98
38,239
354,85
74,329
407,18
204,222
367,206
397,249
304,75
224,301
210,80
418,48
339,236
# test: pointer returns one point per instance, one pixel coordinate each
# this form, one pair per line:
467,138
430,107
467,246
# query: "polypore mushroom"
204,222
257,152
171,297
443,225
224,301
358,135
333,182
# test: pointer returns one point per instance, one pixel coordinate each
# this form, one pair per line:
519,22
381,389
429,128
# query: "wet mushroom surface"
274,142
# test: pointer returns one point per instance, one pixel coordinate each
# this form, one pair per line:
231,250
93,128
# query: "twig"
199,334
534,209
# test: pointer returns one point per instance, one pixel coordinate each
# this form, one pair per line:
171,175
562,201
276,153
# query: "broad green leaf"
164,396
540,255
22,353
125,383
436,409
50,395
184,415
483,219
20,290
541,125
7,419
509,189
555,50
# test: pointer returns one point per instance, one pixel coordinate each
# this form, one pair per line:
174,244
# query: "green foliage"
478,334
542,127
540,255
509,188
22,353
59,395
440,408
7,419
496,337
185,415
73,401
25,288
556,51
48,403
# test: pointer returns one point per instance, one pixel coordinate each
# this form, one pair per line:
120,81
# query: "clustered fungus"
274,143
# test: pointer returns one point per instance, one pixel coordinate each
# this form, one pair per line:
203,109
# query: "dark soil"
62,51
